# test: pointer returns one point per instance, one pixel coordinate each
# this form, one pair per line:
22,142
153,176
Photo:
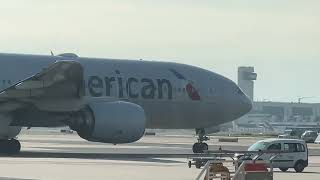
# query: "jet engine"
110,122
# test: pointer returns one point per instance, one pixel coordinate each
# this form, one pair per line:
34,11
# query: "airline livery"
110,100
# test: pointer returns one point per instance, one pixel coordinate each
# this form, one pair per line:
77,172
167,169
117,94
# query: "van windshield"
258,146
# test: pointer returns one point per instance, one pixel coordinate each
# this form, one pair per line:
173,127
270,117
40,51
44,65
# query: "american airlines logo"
134,87
192,92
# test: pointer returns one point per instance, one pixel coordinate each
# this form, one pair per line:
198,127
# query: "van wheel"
299,166
284,169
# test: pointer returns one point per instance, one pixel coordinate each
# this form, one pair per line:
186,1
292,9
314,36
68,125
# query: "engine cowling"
111,122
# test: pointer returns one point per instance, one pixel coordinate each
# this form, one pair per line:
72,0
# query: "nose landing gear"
200,146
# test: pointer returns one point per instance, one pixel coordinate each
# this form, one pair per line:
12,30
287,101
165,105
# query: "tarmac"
52,155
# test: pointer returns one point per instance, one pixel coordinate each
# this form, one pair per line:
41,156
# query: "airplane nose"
242,105
247,105
237,106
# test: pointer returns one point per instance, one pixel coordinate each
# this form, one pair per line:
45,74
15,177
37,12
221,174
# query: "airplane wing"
61,80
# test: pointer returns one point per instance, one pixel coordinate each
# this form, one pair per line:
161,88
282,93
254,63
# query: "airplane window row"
8,82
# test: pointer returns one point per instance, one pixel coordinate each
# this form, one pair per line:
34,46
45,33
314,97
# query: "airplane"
111,100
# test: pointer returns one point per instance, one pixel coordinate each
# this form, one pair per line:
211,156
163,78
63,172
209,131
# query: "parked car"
309,136
290,134
297,156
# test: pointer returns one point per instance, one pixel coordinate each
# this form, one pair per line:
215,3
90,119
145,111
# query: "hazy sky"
280,38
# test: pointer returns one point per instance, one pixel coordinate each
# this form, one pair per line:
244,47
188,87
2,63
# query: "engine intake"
110,122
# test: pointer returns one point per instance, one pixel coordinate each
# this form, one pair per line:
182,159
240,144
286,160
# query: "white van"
297,158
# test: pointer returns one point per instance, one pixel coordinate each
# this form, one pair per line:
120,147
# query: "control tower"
246,78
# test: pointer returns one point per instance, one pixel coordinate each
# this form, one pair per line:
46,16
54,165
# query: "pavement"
52,155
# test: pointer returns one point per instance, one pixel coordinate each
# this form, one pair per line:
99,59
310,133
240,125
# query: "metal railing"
210,175
239,170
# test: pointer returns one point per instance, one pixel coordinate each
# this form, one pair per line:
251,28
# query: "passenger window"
275,147
291,147
294,147
301,148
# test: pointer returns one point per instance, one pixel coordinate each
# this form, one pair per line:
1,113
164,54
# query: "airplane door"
277,161
296,152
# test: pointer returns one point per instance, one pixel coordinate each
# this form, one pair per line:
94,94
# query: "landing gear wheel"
205,146
196,148
10,147
200,146
284,169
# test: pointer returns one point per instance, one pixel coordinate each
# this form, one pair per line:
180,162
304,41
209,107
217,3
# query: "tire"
299,166
204,147
284,169
196,148
199,147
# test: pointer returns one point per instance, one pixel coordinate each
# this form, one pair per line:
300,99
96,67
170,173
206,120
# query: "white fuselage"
172,95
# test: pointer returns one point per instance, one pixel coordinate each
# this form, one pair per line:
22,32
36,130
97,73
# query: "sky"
280,38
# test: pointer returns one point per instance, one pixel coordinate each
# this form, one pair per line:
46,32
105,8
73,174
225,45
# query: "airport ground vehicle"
309,136
291,134
221,164
297,156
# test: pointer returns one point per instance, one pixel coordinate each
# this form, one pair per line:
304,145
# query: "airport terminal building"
267,116
277,116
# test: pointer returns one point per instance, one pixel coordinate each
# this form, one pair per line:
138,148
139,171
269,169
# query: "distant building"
246,78
271,116
282,114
